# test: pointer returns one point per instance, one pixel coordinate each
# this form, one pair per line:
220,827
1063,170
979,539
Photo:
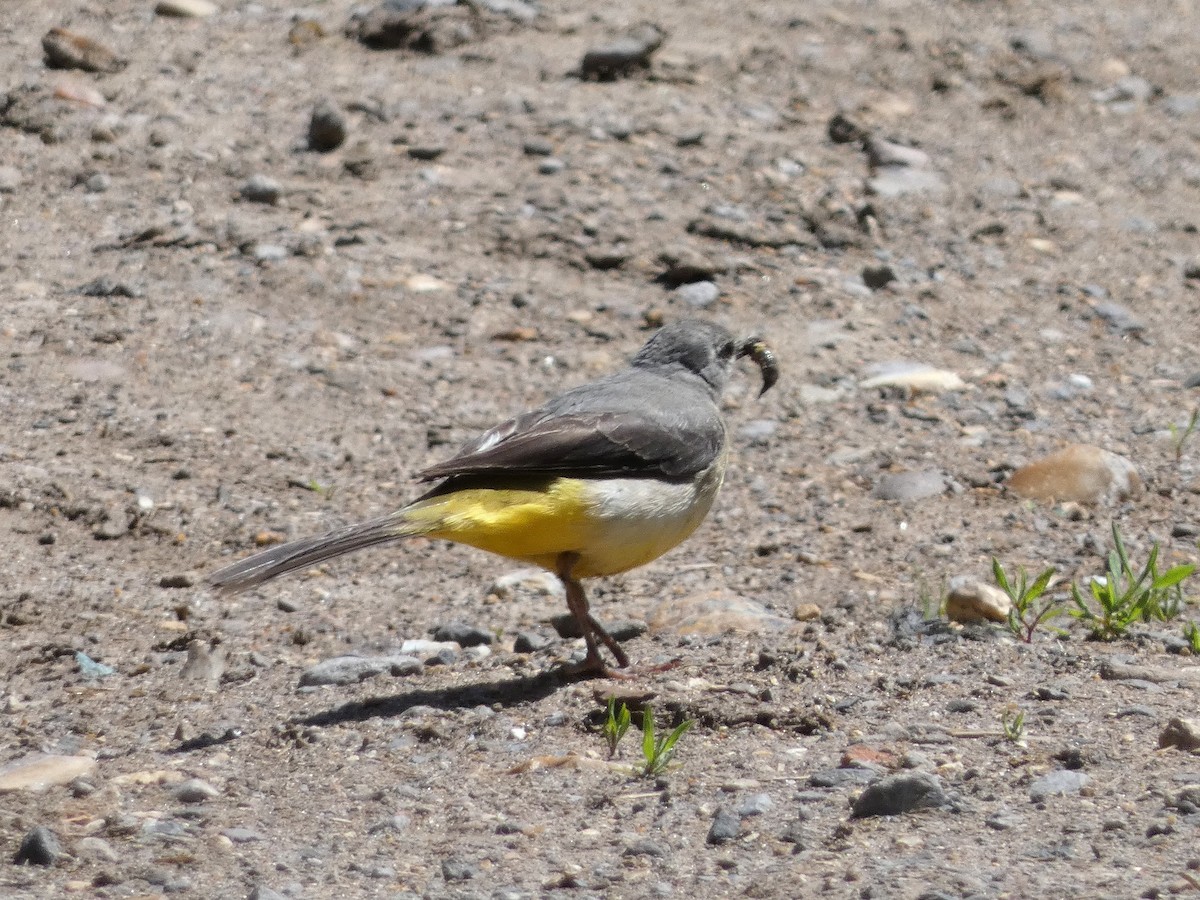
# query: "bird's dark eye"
726,351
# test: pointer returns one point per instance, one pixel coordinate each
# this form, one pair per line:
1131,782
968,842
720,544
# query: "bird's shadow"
508,692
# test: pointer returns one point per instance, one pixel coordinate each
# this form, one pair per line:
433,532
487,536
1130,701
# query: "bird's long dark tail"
308,552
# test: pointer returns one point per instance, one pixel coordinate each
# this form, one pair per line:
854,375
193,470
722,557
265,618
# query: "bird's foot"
596,667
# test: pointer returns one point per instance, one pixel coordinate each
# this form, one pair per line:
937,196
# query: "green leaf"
1174,576
648,734
1040,584
1001,578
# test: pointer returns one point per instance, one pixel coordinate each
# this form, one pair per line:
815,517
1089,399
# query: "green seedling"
658,749
1012,723
615,725
1180,436
1125,596
1028,609
1191,634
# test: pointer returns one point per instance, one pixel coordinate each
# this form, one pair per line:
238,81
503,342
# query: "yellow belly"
613,524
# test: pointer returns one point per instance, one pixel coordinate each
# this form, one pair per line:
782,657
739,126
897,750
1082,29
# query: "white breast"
636,520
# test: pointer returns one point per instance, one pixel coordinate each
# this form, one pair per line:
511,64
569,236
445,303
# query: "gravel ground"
260,266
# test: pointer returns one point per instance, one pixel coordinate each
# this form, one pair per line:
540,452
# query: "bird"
601,479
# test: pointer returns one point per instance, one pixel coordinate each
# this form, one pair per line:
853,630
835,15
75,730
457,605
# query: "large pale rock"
38,771
910,486
1079,473
713,614
919,378
970,601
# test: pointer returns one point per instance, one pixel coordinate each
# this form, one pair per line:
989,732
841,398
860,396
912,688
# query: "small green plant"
659,749
1125,596
615,725
1028,610
1191,634
1180,436
1012,724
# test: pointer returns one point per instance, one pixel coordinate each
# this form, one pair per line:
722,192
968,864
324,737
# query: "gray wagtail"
599,480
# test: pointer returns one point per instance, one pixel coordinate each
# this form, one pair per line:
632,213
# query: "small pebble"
67,50
327,128
445,657
754,805
261,189
186,9
698,294
1058,782
426,152
758,432
97,849
842,130
457,869
890,182
881,153
726,826
530,642
242,835
538,147
909,486
535,582
270,252
648,847
551,165
685,264
878,277
627,629
1002,820
194,790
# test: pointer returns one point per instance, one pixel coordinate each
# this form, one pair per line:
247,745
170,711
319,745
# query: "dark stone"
726,826
623,56
530,642
844,131
40,847
463,635
457,869
878,277
898,794
327,128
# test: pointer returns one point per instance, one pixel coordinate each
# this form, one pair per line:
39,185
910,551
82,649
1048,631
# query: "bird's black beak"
764,357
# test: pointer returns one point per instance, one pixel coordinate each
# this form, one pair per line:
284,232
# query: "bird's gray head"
705,349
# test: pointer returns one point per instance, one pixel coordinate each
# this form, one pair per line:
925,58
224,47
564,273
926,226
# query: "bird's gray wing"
664,439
